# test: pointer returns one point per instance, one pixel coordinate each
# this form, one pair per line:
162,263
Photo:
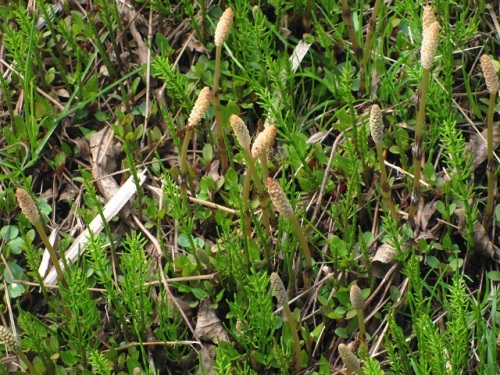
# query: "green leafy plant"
297,81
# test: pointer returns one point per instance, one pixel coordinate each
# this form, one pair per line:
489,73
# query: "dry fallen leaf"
317,137
482,243
425,213
10,362
104,151
208,326
207,360
477,145
83,148
383,260
195,45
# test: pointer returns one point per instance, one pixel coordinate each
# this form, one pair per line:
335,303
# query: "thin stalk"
299,232
218,117
357,301
430,38
355,138
183,168
246,193
490,170
27,362
259,151
197,112
281,296
203,31
263,165
384,184
296,341
362,329
264,204
347,17
307,18
50,248
368,45
418,147
283,206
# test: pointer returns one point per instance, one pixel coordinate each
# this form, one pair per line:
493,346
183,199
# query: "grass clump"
212,119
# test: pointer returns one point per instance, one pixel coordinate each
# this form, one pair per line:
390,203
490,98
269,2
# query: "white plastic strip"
111,209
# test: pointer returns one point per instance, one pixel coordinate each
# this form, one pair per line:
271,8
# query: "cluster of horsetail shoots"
283,206
430,36
262,143
377,132
281,296
491,78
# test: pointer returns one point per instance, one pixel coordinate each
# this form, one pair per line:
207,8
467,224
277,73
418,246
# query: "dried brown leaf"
425,213
317,137
208,326
477,145
83,147
142,50
383,260
104,152
194,44
62,93
207,360
482,243
11,363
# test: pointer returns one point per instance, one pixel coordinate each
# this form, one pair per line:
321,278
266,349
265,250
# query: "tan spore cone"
429,44
200,106
428,17
279,199
223,27
490,74
376,124
240,131
264,140
27,205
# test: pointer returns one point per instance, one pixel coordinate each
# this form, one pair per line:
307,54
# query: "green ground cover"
249,187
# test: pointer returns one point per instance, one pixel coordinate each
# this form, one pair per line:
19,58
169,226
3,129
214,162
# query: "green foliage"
172,329
397,348
125,307
40,338
136,269
252,316
372,367
82,316
177,87
460,315
99,363
228,360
